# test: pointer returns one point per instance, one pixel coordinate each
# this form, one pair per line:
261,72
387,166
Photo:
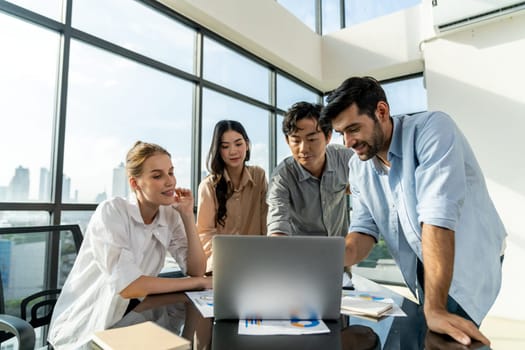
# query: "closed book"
364,307
145,335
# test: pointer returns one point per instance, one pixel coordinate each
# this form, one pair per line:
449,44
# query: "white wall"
477,76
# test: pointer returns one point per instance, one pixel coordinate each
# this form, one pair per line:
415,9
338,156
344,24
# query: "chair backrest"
34,263
40,305
22,330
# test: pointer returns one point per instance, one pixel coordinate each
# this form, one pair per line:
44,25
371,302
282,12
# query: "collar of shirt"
396,143
246,177
395,149
134,212
305,174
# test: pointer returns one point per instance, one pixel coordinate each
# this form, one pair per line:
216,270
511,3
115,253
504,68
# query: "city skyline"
18,188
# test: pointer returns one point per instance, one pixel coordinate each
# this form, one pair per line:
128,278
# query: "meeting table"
176,313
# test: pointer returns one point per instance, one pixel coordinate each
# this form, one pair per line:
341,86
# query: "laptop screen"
261,277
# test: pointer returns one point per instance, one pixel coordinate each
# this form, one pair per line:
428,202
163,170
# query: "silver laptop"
260,277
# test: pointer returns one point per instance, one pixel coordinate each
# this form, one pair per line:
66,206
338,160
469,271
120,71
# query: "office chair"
58,247
22,330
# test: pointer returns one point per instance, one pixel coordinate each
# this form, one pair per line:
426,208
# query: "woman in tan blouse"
232,199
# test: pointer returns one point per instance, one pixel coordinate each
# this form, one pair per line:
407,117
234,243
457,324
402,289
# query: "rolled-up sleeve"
278,199
440,176
362,220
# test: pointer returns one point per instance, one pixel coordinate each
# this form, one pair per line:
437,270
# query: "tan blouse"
246,209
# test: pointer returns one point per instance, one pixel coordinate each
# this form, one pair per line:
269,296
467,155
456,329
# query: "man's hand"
435,341
438,245
460,329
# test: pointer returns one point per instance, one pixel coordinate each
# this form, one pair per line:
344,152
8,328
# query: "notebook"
261,277
145,335
360,306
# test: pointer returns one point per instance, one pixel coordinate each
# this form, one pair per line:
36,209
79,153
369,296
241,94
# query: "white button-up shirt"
117,249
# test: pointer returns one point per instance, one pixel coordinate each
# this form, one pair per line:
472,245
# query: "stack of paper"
146,335
360,306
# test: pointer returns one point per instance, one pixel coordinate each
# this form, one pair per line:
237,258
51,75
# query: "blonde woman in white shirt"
124,249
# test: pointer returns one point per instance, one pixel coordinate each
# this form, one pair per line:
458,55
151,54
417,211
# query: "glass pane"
379,266
234,71
23,218
20,278
357,11
283,150
68,254
337,138
139,28
28,90
77,217
331,16
289,92
406,96
216,107
112,103
49,8
302,9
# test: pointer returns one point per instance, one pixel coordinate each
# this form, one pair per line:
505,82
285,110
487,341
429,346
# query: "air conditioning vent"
453,14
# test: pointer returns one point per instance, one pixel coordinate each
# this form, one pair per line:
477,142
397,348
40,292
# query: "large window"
331,16
77,217
112,103
23,218
406,95
28,88
283,150
290,92
234,71
357,11
326,16
79,86
49,8
138,28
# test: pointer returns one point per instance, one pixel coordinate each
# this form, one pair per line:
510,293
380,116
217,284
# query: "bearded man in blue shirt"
416,182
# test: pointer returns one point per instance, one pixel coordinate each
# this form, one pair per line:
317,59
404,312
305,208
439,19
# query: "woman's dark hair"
216,165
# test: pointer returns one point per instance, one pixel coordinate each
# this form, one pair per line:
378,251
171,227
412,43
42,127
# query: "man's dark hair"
365,92
303,110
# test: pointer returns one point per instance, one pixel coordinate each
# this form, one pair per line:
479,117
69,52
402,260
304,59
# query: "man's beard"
375,144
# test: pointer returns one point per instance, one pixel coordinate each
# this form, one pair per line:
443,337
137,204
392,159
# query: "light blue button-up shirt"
435,179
